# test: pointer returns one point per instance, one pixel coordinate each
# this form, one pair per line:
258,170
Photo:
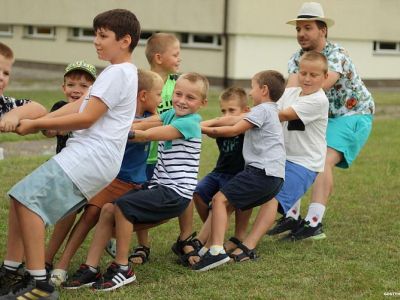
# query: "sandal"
247,254
141,252
234,241
179,245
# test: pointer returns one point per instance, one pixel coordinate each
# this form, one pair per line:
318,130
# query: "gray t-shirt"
263,145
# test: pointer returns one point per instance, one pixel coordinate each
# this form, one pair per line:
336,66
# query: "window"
46,32
6,30
386,47
81,34
144,35
201,40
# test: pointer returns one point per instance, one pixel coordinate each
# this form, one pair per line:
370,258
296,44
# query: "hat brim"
327,21
81,69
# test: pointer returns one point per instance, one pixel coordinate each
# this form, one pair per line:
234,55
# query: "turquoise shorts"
348,135
48,192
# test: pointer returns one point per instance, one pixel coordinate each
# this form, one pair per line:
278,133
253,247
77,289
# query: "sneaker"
111,247
284,224
8,278
82,277
114,278
305,231
33,289
209,261
58,276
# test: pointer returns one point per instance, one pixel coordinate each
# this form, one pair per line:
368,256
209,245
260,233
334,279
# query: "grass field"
359,259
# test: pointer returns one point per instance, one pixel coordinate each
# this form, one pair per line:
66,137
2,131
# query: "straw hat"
311,11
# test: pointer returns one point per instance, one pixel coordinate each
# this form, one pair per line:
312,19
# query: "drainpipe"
226,44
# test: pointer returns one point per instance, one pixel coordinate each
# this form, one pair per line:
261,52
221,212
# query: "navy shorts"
153,205
251,188
211,184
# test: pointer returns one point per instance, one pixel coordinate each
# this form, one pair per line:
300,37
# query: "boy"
170,189
233,102
264,155
90,161
131,176
13,110
304,111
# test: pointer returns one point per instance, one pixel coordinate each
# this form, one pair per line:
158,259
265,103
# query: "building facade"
227,40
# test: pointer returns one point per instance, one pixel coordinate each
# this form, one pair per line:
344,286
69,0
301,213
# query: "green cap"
81,65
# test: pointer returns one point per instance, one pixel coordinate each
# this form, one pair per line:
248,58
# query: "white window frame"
191,43
81,34
377,48
8,32
37,35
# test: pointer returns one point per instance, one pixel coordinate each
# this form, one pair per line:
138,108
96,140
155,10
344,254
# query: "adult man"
351,107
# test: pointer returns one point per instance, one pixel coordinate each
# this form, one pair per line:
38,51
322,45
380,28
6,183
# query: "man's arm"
31,110
160,133
70,122
227,131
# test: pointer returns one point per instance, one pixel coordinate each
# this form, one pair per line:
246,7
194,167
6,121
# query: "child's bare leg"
264,220
242,218
102,234
221,209
58,236
78,234
33,232
15,246
123,232
186,222
201,207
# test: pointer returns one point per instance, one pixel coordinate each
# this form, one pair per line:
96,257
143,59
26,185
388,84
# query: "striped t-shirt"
178,160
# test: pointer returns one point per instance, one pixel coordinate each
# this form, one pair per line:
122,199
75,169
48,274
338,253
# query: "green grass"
358,260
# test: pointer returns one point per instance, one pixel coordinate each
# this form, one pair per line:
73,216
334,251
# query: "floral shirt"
348,96
8,103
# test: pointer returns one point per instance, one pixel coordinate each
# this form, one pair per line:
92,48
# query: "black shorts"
153,205
251,188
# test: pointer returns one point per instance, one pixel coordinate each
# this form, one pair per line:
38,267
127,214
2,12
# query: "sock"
217,249
12,265
294,211
92,269
123,267
315,214
39,275
203,251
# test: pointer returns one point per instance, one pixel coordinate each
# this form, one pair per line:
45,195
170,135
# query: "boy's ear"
141,96
246,109
157,58
126,41
205,102
265,90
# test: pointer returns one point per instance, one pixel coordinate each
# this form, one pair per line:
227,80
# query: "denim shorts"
298,180
348,135
48,192
251,188
211,184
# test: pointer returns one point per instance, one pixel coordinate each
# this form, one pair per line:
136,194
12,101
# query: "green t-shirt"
165,105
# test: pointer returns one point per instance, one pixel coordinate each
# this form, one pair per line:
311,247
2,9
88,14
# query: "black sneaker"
114,278
305,231
8,278
208,261
29,288
82,277
284,224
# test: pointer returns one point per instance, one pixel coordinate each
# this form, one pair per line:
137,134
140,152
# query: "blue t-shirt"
133,168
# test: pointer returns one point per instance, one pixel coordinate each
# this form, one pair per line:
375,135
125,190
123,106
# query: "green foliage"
359,259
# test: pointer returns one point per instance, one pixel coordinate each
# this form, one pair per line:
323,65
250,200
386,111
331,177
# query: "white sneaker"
58,276
111,248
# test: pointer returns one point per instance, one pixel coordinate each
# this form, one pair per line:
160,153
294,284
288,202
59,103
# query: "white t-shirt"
93,156
306,147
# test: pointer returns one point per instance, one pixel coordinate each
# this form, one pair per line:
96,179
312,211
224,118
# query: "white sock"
294,211
92,269
12,265
315,214
38,274
202,251
124,267
217,249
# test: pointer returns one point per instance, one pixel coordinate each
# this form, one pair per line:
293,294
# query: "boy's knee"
91,215
107,210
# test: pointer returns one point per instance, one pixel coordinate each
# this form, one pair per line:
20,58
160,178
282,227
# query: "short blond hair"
158,43
6,51
237,92
194,77
315,56
147,79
